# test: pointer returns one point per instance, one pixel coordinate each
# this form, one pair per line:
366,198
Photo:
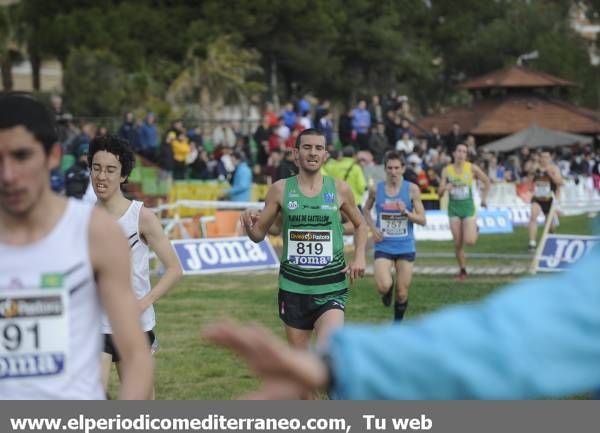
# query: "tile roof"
515,76
507,115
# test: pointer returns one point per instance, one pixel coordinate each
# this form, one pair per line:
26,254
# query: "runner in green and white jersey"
313,277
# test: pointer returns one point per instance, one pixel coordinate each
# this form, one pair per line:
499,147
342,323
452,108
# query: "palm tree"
223,75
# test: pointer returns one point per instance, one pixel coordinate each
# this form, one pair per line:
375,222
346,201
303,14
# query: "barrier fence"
225,215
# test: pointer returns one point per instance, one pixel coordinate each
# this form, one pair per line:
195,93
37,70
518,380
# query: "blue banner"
561,251
438,227
494,221
209,256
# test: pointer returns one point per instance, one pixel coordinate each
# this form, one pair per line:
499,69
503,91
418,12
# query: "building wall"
50,76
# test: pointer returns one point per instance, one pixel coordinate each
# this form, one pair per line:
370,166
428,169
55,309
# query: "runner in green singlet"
458,179
313,276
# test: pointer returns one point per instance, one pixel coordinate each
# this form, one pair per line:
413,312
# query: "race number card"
542,189
310,248
459,192
393,225
34,334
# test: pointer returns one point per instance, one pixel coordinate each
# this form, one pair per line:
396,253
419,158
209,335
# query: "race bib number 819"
310,248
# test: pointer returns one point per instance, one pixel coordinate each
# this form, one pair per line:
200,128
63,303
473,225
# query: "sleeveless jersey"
461,183
50,339
398,236
313,247
460,200
543,186
140,267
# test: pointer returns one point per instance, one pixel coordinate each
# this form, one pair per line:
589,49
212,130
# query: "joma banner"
561,251
209,256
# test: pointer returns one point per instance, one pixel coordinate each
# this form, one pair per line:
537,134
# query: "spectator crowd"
360,138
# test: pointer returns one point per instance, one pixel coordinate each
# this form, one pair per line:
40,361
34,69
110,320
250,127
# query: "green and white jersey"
313,247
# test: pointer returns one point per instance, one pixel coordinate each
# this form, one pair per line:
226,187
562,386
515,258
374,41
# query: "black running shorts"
111,349
301,311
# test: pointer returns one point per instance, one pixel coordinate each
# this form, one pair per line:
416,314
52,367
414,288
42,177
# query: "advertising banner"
494,221
209,256
438,227
561,251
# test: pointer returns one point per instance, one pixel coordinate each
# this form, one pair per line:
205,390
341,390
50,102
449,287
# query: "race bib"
459,192
34,334
393,225
542,189
310,248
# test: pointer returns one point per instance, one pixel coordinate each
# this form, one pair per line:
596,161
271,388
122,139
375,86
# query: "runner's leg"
404,270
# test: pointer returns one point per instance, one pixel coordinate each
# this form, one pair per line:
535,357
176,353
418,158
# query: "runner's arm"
109,255
487,184
557,179
257,228
444,185
277,226
366,211
357,267
151,231
417,216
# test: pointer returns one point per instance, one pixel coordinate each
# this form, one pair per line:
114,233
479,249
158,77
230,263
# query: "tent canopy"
534,136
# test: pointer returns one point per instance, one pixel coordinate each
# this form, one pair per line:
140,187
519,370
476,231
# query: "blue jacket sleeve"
242,180
539,337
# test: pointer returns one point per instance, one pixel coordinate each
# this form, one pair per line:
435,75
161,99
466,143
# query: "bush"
94,83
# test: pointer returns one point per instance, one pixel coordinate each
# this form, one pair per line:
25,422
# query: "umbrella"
534,136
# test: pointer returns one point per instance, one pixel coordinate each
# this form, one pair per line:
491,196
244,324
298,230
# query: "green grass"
188,368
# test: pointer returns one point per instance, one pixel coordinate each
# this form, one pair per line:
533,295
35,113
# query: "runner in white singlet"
111,161
61,263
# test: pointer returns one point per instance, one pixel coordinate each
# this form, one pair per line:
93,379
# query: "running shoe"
387,298
461,276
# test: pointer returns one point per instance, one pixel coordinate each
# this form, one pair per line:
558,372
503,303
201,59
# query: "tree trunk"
36,64
7,81
273,85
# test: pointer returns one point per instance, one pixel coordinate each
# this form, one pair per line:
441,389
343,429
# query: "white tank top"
140,266
50,341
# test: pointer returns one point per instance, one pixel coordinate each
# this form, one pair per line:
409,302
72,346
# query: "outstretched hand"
377,235
286,373
355,269
248,218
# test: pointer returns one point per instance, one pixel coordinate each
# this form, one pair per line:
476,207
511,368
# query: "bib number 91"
13,336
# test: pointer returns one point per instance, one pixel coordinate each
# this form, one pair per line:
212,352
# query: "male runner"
546,181
111,162
457,179
398,205
313,287
61,262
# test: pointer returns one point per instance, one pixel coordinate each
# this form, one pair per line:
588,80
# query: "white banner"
437,228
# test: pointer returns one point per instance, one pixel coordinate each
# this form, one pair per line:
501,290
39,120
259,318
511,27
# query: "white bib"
459,192
34,334
393,225
542,189
310,248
